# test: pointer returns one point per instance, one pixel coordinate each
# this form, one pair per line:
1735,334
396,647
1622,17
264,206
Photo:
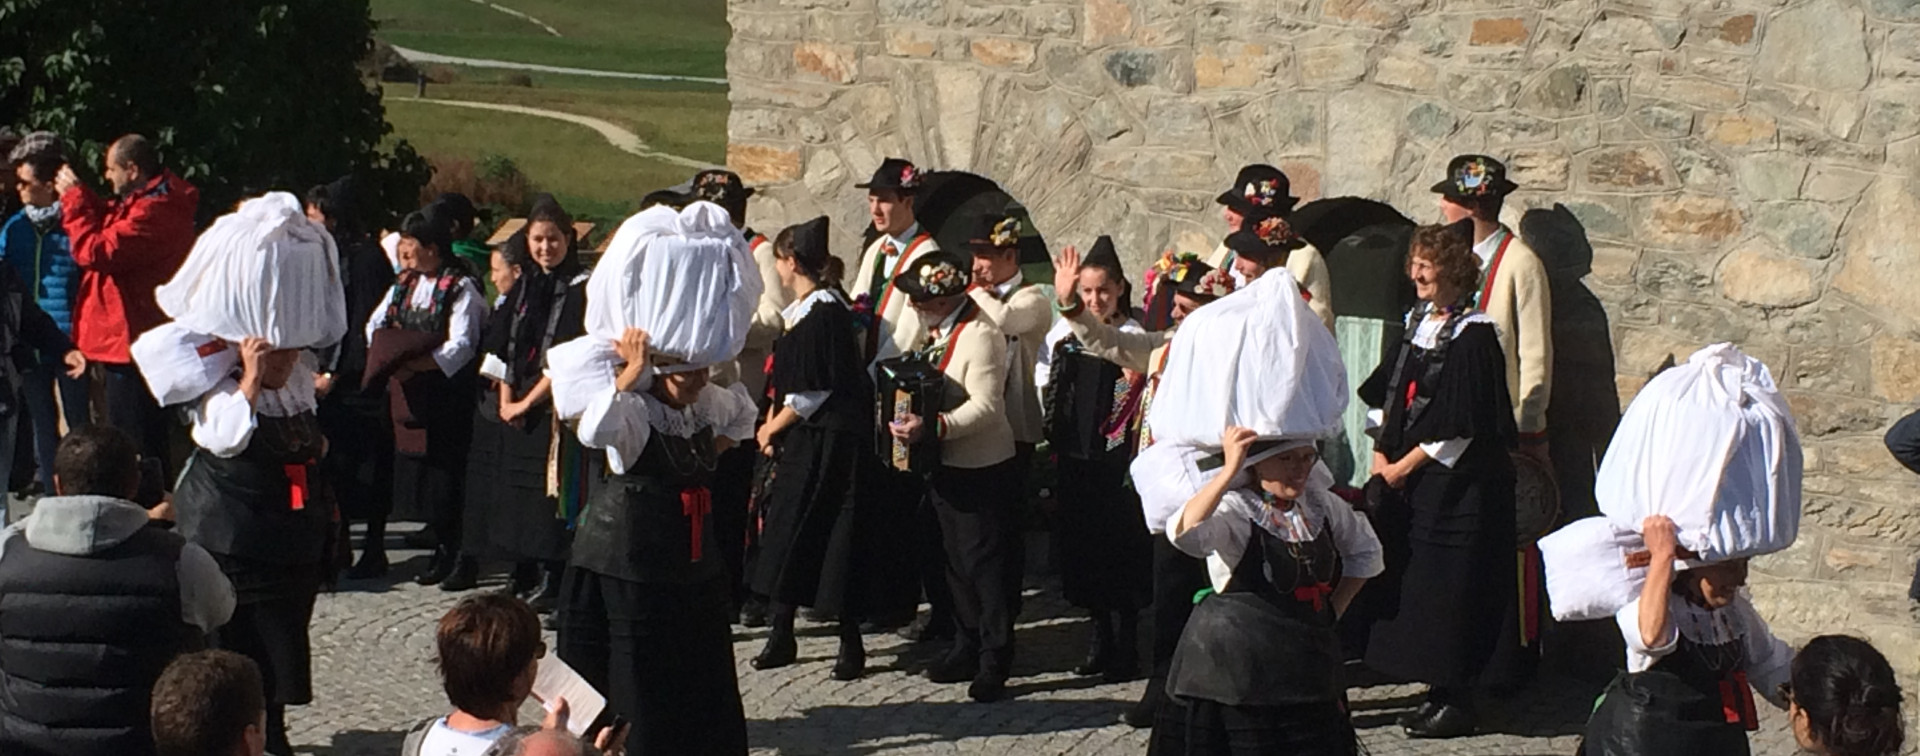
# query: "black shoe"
372,564
525,580
1142,713
960,665
852,663
1419,714
1447,721
546,596
464,576
1099,648
931,629
811,614
886,624
778,652
754,613
439,566
988,687
1124,663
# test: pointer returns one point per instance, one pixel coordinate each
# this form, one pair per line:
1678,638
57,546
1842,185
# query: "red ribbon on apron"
696,504
296,487
1736,701
1315,594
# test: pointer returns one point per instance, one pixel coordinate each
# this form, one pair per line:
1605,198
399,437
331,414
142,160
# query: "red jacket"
126,247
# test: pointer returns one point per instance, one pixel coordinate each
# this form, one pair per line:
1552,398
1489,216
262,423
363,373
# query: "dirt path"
418,56
622,139
519,15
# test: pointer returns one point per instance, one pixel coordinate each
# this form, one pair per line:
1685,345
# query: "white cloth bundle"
1712,445
687,278
262,271
1586,569
180,365
1259,359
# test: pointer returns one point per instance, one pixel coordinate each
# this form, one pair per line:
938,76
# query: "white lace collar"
798,311
298,396
686,421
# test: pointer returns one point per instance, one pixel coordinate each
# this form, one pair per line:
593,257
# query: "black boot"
464,576
1099,646
546,595
961,664
852,661
781,648
277,742
373,553
990,684
1142,713
523,580
439,566
1451,716
753,613
1124,664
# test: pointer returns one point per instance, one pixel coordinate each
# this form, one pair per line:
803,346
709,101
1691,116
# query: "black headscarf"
540,299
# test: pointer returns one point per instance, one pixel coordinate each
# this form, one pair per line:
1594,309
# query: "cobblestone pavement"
374,676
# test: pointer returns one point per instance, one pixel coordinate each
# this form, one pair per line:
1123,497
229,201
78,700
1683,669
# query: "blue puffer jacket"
43,259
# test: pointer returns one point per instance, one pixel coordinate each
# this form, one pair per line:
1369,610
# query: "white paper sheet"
555,680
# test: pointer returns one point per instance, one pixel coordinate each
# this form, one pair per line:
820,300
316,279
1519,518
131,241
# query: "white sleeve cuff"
1446,452
617,422
806,403
223,420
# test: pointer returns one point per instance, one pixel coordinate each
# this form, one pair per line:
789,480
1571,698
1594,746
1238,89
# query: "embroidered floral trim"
1006,233
1262,193
1275,232
909,177
942,279
1473,178
1216,284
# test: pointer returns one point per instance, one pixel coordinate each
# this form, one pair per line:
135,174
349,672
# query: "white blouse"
467,314
622,422
1769,659
223,420
1222,538
1062,328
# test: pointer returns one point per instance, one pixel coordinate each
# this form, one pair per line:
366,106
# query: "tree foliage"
242,96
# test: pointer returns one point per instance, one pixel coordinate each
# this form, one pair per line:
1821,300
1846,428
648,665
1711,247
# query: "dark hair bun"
1850,696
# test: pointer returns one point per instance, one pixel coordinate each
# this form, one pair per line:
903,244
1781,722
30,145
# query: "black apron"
1693,702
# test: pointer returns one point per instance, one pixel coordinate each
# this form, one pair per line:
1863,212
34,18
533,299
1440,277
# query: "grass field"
680,37
690,121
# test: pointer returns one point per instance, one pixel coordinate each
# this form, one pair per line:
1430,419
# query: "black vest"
243,506
654,524
82,640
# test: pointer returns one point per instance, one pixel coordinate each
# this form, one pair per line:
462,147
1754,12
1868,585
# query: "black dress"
644,605
429,476
1446,611
359,461
525,482
267,526
1257,668
812,522
1106,553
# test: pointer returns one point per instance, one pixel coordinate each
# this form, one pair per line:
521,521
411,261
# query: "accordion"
1084,396
909,385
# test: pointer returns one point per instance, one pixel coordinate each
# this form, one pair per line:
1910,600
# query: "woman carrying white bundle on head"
259,290
643,610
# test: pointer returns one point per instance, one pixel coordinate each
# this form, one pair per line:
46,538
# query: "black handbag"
1655,713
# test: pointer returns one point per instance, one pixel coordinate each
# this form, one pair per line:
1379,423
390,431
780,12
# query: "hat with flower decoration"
1259,187
720,187
893,174
941,274
1265,238
1475,176
996,233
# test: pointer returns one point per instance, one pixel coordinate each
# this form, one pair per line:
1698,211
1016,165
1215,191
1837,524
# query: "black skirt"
508,514
272,610
808,531
1188,727
359,461
663,655
1106,553
1447,606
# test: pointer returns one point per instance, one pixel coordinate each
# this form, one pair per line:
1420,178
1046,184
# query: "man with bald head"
126,245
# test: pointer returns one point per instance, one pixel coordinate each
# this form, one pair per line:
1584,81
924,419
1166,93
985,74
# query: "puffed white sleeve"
468,315
222,420
1446,452
1360,553
616,421
806,403
1769,659
1640,655
733,411
1225,531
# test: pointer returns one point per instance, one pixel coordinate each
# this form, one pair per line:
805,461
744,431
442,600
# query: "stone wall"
1747,170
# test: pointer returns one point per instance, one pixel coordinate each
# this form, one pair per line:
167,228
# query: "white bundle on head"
685,277
262,271
1259,359
1711,445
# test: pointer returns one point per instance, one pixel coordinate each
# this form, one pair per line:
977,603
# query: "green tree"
242,96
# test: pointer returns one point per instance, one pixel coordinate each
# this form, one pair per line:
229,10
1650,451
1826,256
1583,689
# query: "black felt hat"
721,187
1264,237
1198,280
941,274
893,174
810,250
1104,257
1475,176
996,233
1259,187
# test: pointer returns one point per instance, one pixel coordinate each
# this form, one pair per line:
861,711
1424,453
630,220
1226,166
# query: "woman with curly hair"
1444,482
